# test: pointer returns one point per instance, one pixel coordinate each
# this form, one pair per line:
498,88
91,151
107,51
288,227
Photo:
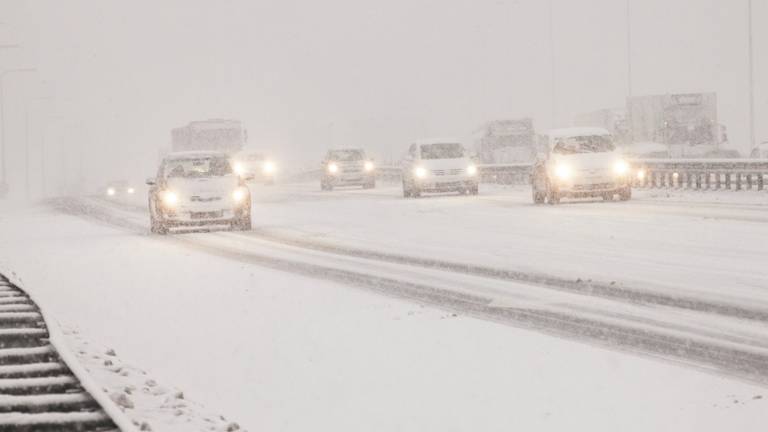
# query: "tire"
474,190
607,197
157,227
553,197
538,197
625,194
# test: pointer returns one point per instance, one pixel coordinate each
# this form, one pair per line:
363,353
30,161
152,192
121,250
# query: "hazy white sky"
304,75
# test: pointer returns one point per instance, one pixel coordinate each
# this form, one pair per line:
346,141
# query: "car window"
346,155
583,144
197,168
442,151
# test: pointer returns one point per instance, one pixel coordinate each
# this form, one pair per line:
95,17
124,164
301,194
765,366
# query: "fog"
112,78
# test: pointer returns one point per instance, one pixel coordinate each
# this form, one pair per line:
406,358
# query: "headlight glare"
369,166
111,191
420,172
563,172
641,174
621,167
170,198
472,170
333,168
239,195
268,167
238,168
130,190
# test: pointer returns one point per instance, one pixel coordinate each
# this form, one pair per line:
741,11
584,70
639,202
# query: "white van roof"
445,140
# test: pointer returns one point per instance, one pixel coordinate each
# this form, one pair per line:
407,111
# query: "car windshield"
346,155
197,167
442,151
584,144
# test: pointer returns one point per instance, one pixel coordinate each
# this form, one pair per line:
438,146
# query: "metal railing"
700,174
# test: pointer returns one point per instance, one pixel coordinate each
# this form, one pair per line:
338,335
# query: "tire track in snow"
744,362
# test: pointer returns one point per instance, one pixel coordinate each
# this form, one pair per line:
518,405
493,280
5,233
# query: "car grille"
204,199
206,215
598,186
450,172
351,170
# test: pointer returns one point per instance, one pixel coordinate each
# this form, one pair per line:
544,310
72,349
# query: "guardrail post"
728,181
698,180
760,181
718,180
738,181
749,181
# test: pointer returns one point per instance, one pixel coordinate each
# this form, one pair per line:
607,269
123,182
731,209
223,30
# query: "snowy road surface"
677,284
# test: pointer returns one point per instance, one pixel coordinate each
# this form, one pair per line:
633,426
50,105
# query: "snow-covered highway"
679,278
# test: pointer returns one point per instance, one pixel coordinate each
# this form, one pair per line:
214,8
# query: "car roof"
577,131
345,149
195,155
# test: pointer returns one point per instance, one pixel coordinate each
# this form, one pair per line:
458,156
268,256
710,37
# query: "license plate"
206,215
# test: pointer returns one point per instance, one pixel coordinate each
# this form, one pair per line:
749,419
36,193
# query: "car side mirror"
151,181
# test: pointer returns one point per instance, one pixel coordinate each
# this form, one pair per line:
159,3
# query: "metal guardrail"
701,174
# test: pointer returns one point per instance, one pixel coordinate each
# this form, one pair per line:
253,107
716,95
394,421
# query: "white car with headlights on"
347,167
439,166
195,189
118,188
581,162
255,164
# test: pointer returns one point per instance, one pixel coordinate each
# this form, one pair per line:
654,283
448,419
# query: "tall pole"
629,49
26,153
751,80
553,91
3,165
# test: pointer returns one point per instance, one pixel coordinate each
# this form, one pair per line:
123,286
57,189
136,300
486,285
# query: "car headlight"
420,172
170,198
369,166
268,167
333,168
130,190
641,174
238,168
472,170
621,167
111,191
562,171
239,195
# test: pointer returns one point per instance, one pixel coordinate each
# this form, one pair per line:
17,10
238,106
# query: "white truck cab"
580,162
198,188
438,165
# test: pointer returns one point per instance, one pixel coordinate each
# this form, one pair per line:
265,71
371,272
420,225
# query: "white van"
580,162
438,166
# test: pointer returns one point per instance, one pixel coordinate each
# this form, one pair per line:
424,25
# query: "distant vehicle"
116,188
255,164
687,122
198,189
506,141
581,162
441,165
209,135
760,152
347,167
647,151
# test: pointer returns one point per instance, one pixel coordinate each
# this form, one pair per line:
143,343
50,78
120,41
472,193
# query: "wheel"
607,197
474,190
538,197
326,187
625,194
370,185
553,197
243,223
157,227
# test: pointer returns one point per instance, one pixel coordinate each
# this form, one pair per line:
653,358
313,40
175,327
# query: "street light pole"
553,91
629,49
3,164
751,79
